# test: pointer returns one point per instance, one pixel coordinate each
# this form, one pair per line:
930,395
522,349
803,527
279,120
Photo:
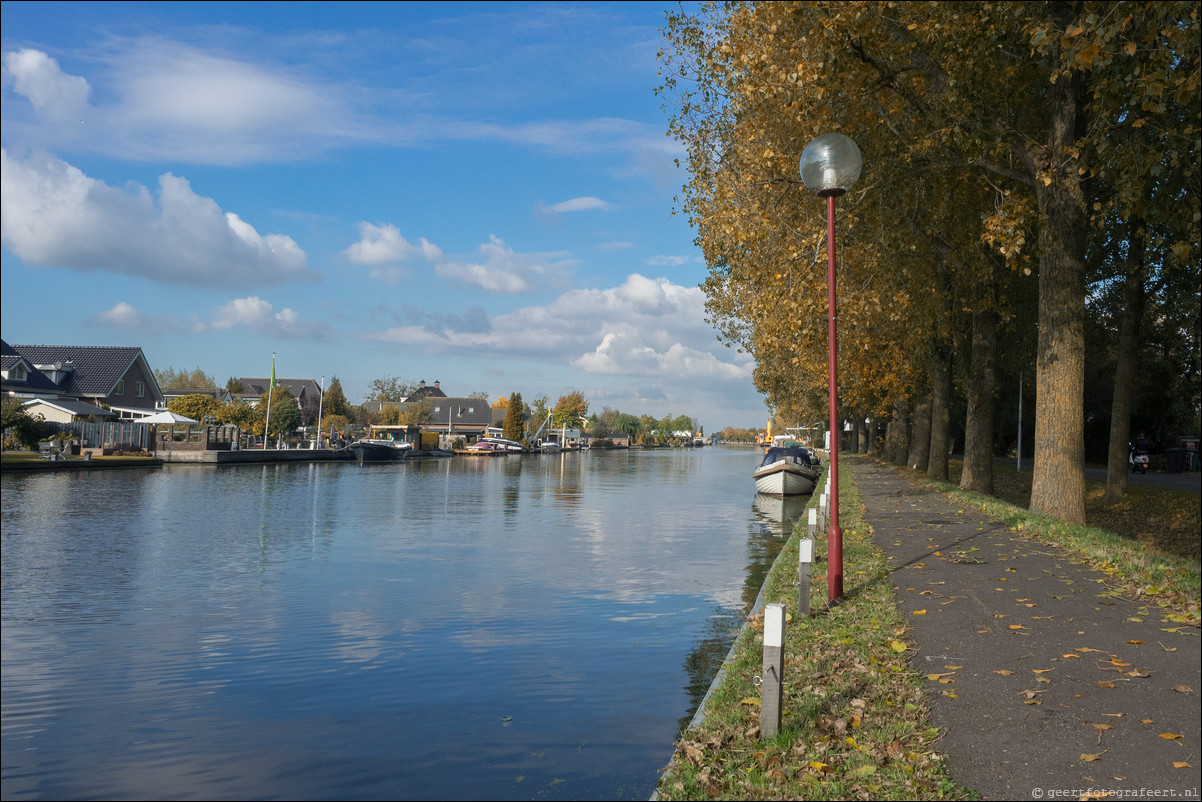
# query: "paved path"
1040,663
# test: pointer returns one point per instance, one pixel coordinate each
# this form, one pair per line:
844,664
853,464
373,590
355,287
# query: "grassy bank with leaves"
855,721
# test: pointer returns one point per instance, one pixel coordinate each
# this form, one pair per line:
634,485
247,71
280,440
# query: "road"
1171,481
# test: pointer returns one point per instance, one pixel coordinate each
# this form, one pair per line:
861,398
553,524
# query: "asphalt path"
1046,680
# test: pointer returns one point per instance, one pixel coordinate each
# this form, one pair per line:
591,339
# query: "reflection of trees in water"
704,660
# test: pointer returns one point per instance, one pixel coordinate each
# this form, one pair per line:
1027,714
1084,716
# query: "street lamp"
830,165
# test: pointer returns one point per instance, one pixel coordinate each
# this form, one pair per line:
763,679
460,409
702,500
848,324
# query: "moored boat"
372,450
786,472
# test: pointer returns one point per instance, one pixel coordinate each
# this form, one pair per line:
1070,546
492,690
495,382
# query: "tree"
569,409
15,421
513,427
334,400
241,414
196,406
337,423
997,144
387,388
195,379
233,385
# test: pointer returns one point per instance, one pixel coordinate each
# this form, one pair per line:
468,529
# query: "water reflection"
466,628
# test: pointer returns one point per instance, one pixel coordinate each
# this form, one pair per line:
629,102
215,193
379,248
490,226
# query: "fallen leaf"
1087,649
1146,721
953,668
1181,764
1070,655
1042,670
1137,642
1032,702
1091,758
1017,626
1183,689
938,676
1100,727
1114,715
897,646
1003,672
1106,684
1170,736
751,700
920,612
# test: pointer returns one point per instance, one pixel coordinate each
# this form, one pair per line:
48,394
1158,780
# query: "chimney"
436,384
421,385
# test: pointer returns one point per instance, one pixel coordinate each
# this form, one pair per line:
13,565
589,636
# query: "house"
20,379
423,391
64,410
117,377
306,391
459,417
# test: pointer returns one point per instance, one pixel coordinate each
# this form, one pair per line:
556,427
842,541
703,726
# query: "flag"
273,368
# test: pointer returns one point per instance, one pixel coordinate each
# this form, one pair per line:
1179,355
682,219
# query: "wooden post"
772,676
805,557
813,522
822,512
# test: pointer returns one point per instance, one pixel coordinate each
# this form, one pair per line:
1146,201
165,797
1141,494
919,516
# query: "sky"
479,194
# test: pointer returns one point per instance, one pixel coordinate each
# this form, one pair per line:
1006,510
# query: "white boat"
549,447
501,444
786,472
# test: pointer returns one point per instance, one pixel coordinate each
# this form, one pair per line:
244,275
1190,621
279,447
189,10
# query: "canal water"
519,627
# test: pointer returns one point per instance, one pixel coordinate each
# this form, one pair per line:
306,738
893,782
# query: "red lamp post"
830,165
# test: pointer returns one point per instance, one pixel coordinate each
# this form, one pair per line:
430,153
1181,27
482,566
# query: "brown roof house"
117,377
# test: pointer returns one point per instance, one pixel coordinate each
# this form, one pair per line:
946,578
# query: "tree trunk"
978,426
1124,370
1058,484
941,402
896,433
861,435
874,433
920,432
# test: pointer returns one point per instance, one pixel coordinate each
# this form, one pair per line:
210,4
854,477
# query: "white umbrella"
167,416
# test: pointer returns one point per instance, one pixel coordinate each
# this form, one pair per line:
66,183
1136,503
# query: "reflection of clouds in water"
359,638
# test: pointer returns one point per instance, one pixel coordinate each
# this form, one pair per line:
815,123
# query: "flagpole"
320,401
270,387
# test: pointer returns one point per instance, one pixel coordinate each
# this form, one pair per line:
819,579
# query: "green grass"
855,722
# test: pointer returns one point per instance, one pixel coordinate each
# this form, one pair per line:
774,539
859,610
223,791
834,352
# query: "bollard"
813,521
772,676
805,557
822,512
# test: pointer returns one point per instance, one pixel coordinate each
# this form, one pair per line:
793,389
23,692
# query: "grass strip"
855,724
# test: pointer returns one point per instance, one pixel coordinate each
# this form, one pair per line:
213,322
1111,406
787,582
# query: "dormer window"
18,373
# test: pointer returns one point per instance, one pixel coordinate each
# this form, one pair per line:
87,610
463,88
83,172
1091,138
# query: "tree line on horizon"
1027,215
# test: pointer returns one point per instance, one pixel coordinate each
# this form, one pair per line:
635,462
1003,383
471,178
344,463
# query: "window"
120,388
19,373
140,389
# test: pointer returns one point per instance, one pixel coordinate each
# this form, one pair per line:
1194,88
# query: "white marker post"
805,557
772,678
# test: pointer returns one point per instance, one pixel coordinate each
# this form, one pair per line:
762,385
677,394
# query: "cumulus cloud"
54,94
384,244
641,328
260,317
55,216
503,270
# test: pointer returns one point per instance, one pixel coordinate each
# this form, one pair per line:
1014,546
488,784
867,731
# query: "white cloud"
384,244
55,216
260,317
667,261
53,94
641,328
502,270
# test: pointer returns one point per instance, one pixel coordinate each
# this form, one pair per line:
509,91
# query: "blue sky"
475,193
